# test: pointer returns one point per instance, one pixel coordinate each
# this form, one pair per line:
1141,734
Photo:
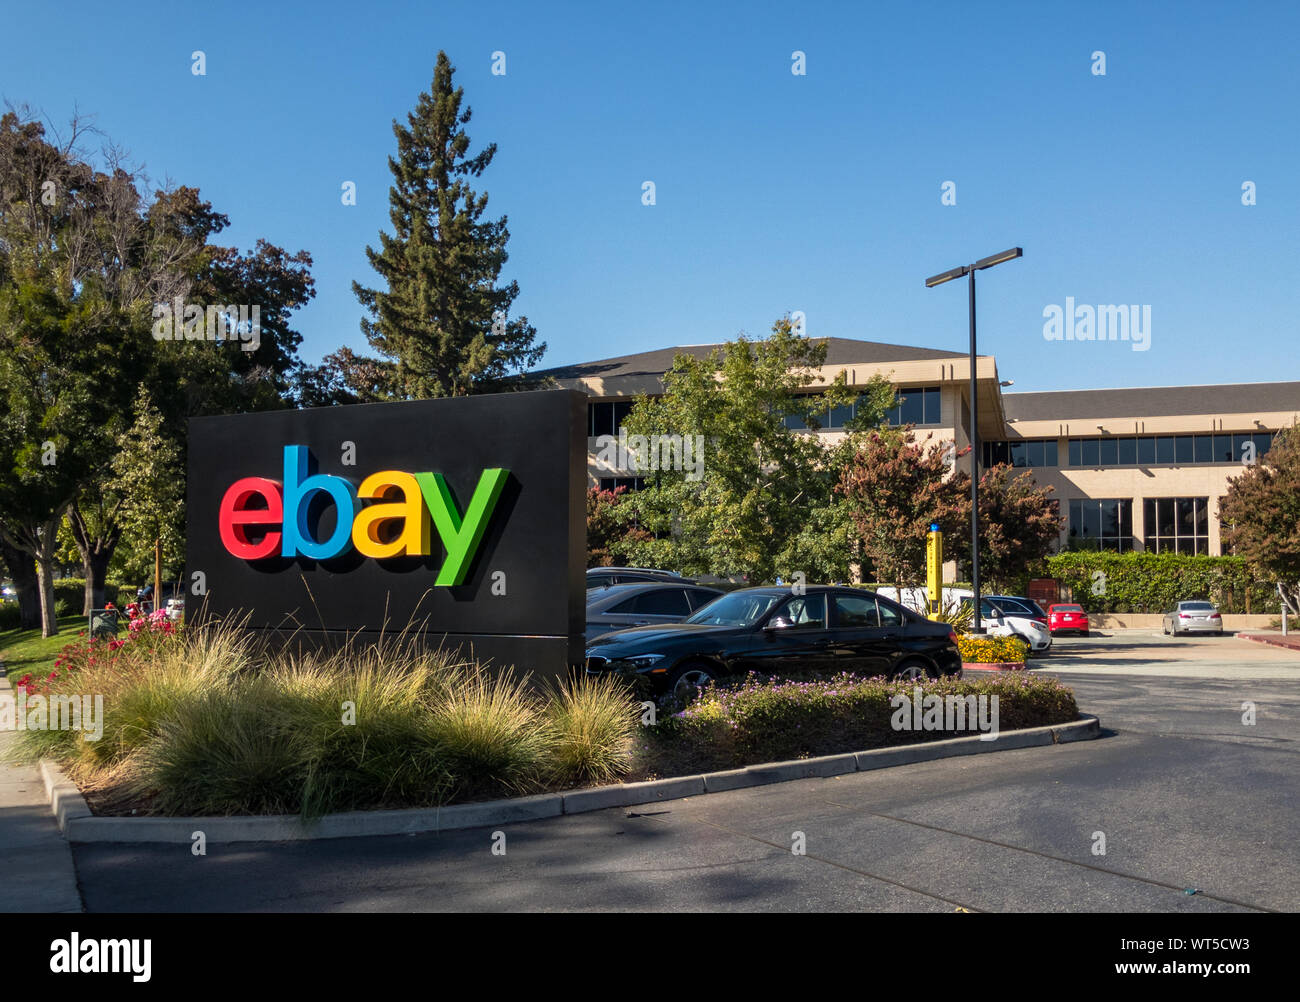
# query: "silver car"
1193,617
621,606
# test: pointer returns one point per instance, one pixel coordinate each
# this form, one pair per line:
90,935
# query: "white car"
998,623
175,609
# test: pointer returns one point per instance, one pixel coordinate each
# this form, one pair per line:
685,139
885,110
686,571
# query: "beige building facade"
1133,469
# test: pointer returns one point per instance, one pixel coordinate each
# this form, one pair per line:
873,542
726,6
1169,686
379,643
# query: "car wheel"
912,670
686,680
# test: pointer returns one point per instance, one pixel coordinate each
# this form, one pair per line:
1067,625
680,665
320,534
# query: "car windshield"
736,609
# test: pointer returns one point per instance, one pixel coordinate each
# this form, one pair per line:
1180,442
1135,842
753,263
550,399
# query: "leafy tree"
1020,524
1260,516
150,480
754,493
607,538
343,377
895,488
442,319
82,261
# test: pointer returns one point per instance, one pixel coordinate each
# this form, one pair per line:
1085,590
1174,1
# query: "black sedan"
647,604
774,631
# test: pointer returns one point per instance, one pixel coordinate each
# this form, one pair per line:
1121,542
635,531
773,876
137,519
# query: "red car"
1067,619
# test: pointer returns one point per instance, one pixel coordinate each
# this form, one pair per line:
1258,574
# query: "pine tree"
443,319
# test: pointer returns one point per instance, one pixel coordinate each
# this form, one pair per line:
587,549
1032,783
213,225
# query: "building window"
1029,453
917,405
836,419
1101,524
606,417
1177,525
613,483
1169,450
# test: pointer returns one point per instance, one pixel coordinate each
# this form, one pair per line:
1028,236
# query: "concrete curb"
79,825
1289,643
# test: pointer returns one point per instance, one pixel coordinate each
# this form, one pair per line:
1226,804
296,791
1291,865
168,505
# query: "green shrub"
492,735
1154,582
70,596
766,721
593,723
10,616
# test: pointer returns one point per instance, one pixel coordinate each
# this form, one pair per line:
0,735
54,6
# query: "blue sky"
774,192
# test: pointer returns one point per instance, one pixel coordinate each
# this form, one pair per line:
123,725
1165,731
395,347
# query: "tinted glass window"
1127,451
1109,452
801,612
1203,449
1146,450
663,602
889,616
855,611
1165,449
700,598
736,609
1223,449
1183,449
1049,453
1091,452
1076,452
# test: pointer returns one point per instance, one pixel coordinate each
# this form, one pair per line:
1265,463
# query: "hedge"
771,720
70,596
1155,582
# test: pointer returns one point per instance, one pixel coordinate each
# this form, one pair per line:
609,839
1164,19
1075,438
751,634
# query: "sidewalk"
1274,637
35,860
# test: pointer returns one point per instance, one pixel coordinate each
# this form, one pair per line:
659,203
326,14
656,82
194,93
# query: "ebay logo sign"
389,514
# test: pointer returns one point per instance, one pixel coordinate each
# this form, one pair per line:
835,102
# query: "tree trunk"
96,554
40,542
45,571
22,569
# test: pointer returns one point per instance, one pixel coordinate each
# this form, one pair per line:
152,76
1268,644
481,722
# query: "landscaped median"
199,732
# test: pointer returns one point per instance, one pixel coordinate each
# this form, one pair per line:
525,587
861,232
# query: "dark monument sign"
463,518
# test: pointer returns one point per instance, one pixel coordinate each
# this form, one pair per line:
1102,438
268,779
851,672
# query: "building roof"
1152,401
839,351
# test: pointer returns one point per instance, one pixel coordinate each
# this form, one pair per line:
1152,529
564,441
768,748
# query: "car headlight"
643,660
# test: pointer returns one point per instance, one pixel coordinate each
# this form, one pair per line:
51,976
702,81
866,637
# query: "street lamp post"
930,283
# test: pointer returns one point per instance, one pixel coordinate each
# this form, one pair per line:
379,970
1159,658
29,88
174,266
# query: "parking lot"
1150,653
1198,810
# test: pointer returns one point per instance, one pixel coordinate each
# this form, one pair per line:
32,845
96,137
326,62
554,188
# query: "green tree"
443,319
756,489
896,487
150,482
608,539
1260,516
1020,524
83,261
